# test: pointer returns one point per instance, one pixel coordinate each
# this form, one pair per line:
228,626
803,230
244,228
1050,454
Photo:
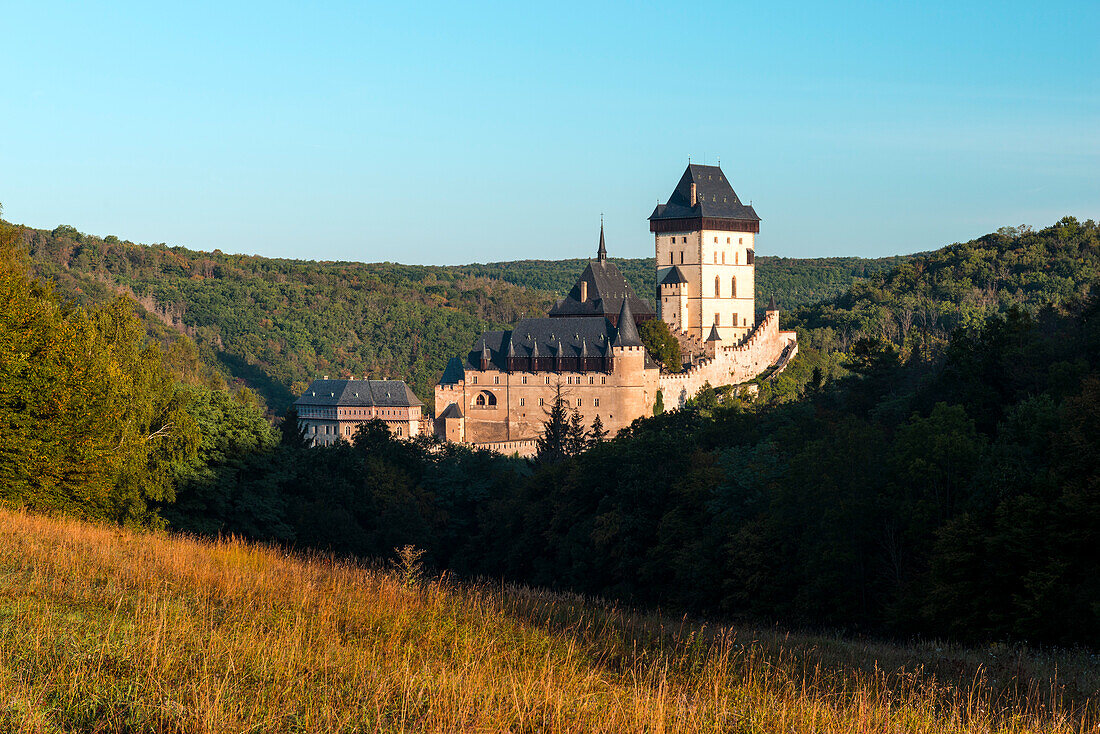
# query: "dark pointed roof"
714,336
715,197
606,291
382,393
674,275
453,374
451,411
771,305
626,335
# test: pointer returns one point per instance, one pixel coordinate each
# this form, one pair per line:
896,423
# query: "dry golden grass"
110,630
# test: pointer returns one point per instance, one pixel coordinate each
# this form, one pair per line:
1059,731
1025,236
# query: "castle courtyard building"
332,410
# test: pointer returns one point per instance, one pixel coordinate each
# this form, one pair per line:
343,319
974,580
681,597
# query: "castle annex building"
331,410
588,347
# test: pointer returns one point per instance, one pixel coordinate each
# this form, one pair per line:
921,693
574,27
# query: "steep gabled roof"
606,290
451,411
714,336
453,374
715,197
673,276
359,393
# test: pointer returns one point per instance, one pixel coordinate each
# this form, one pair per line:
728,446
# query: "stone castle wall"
765,346
511,409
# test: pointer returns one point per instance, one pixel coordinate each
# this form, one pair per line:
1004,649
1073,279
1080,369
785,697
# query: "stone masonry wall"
764,347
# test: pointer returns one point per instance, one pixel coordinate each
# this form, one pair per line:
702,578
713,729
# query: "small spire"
771,305
601,254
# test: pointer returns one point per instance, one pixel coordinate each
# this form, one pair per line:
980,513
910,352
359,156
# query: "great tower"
705,241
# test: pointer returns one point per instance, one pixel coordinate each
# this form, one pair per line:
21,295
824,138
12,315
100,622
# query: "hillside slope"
276,324
108,630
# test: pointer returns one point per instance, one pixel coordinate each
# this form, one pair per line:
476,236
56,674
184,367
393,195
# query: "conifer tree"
552,445
598,434
577,441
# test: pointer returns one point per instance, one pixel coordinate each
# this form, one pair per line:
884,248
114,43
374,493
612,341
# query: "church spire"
601,254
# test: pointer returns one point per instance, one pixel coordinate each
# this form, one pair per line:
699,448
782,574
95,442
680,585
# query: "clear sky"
460,132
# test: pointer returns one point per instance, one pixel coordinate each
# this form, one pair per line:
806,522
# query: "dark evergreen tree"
553,445
577,441
598,434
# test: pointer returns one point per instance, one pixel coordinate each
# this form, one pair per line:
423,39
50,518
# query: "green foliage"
90,419
276,324
661,344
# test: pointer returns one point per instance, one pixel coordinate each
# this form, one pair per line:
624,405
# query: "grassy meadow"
108,630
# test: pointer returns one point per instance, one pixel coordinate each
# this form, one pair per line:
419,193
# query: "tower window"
716,257
716,240
685,239
727,240
717,319
723,258
717,287
740,240
682,257
735,319
670,258
733,288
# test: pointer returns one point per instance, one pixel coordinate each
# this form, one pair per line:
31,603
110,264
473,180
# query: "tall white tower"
705,240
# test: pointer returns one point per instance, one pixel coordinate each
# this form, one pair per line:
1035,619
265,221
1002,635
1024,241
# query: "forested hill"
276,324
793,281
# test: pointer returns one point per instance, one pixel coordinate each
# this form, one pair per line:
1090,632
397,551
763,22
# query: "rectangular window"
681,257
541,402
595,402
591,380
715,257
496,379
735,319
548,379
522,402
525,379
475,379
727,240
578,402
723,258
740,240
685,239
603,380
718,319
715,240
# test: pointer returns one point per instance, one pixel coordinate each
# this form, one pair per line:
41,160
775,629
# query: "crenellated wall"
764,347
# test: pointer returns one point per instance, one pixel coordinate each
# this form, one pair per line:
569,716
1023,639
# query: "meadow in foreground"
103,629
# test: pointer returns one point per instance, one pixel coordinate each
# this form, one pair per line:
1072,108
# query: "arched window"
485,399
717,286
733,287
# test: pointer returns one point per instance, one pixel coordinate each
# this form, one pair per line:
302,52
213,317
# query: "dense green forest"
793,282
948,484
927,466
273,325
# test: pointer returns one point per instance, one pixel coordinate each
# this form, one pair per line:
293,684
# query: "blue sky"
450,132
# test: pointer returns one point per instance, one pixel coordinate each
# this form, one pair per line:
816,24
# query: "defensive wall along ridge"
765,347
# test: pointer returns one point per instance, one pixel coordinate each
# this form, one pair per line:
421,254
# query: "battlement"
765,347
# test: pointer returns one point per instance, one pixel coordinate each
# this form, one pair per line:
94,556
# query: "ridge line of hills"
274,324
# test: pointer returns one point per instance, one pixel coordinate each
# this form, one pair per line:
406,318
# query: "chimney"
694,196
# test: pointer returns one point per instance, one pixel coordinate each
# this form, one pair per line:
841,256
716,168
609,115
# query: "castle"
588,347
